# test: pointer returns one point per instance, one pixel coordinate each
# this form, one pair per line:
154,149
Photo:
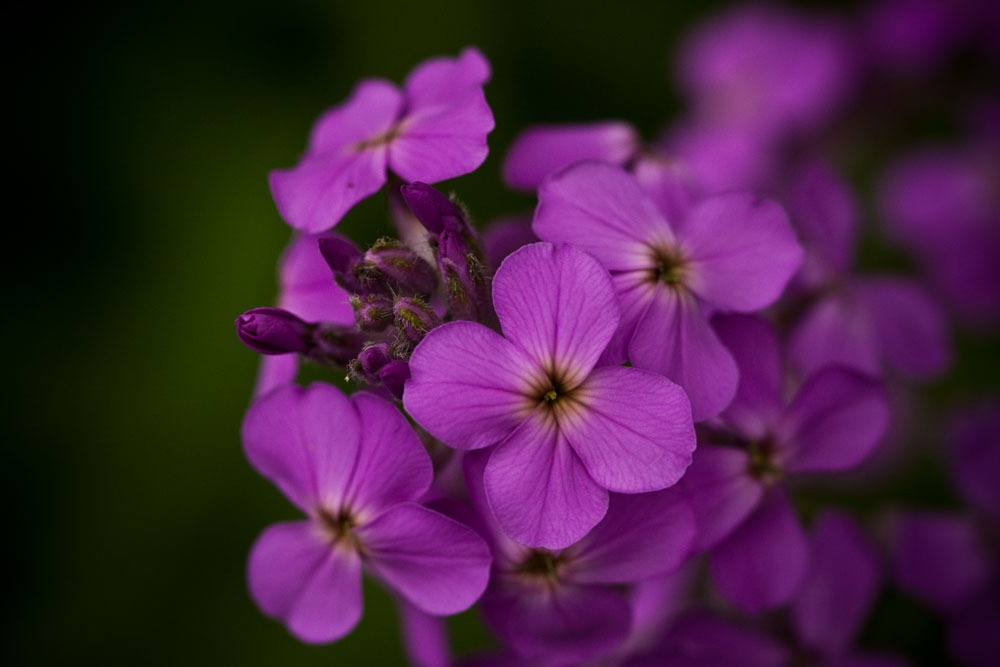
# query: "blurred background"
144,134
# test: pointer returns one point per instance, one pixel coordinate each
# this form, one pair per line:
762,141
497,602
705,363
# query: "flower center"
763,464
670,266
381,139
541,565
339,527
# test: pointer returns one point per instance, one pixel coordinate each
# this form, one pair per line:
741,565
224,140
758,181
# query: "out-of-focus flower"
730,252
355,467
566,432
565,606
433,129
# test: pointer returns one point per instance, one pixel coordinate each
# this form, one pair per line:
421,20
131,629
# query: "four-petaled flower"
567,431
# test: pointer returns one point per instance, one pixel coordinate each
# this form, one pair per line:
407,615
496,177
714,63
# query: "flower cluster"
616,424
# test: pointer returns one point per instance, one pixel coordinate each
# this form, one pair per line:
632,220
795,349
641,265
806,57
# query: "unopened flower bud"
434,211
373,357
400,269
465,278
343,258
394,376
414,318
273,331
372,312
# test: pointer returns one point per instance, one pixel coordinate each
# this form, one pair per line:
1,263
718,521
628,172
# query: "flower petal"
762,563
295,575
557,304
742,251
425,637
674,338
754,345
837,329
371,110
307,286
600,208
539,490
305,440
840,586
437,563
721,491
642,535
545,149
826,216
632,429
443,140
442,80
910,327
467,385
275,370
314,195
564,625
834,422
392,465
702,640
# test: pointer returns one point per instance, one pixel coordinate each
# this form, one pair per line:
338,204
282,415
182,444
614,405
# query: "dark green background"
144,226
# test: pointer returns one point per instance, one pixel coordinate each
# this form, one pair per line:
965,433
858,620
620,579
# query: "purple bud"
394,376
372,312
414,318
434,211
335,344
392,264
465,278
374,357
343,257
273,331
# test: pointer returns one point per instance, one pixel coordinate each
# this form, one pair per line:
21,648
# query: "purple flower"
545,149
565,606
837,417
766,69
566,432
502,237
432,130
355,467
730,252
941,204
865,322
306,289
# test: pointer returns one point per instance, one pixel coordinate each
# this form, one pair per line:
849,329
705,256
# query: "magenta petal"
643,535
443,141
558,305
840,585
826,216
635,293
307,286
834,422
755,347
438,564
295,575
305,440
275,370
910,328
939,558
835,330
545,149
742,251
442,80
392,465
565,625
670,183
371,110
425,637
601,208
762,564
721,491
466,385
702,640
629,445
317,193
675,339
539,490
502,237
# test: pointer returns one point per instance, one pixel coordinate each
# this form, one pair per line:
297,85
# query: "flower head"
355,467
433,129
567,430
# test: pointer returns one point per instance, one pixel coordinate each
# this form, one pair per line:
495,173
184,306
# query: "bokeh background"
143,226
